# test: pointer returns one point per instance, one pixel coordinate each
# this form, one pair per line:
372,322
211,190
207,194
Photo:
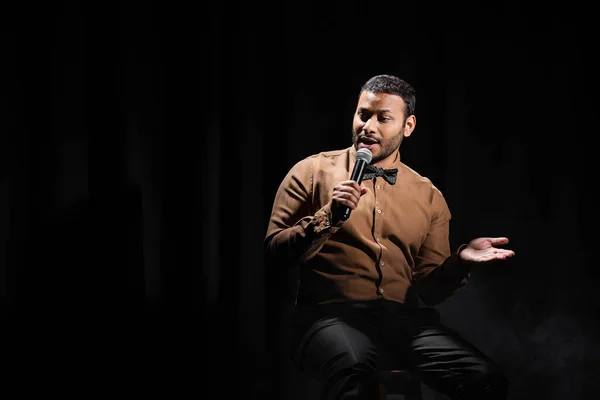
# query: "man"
361,276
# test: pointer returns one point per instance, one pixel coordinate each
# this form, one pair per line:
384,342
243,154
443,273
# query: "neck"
389,160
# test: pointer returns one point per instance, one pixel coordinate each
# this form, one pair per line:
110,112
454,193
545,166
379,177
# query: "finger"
500,254
350,183
499,240
348,186
346,192
346,198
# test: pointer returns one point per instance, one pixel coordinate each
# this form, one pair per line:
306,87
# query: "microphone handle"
357,174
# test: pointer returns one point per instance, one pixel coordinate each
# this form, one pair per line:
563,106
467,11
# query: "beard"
386,146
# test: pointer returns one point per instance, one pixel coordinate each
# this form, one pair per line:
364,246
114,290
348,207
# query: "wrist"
459,250
335,215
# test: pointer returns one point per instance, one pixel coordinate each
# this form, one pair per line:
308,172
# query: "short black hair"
391,84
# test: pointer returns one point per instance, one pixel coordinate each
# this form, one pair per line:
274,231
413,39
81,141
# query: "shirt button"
379,211
381,290
379,240
377,187
382,263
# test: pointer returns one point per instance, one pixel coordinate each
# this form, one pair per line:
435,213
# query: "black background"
142,144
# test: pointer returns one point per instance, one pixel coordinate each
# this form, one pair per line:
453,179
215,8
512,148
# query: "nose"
370,124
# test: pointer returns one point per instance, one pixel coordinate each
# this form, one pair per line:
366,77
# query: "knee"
354,362
353,366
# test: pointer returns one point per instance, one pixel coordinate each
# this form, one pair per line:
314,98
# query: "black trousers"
345,345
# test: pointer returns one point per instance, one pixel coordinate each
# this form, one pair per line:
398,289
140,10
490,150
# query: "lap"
434,351
444,359
332,344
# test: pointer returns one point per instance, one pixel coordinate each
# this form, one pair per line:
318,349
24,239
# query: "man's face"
379,125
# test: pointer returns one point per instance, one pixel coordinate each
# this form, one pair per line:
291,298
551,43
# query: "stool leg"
382,392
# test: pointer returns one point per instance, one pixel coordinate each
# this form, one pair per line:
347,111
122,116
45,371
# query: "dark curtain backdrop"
143,142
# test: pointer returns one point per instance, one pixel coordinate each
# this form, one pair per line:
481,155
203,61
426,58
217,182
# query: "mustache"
363,135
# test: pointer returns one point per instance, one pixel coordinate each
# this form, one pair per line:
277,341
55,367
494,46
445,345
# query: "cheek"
392,142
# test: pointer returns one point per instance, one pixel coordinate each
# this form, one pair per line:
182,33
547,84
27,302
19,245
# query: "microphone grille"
364,154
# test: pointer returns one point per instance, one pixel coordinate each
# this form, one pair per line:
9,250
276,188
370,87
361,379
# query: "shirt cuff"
456,266
322,221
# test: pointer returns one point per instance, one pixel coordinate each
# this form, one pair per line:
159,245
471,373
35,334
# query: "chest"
399,213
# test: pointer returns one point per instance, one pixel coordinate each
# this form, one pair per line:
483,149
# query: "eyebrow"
383,110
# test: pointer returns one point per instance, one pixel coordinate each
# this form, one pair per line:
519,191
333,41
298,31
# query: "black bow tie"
389,175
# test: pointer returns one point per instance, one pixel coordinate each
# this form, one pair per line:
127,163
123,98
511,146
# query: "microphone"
363,157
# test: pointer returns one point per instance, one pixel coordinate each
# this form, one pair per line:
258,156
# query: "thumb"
363,191
499,240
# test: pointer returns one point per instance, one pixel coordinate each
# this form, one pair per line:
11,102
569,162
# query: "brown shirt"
397,237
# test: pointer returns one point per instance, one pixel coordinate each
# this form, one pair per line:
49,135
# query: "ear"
409,125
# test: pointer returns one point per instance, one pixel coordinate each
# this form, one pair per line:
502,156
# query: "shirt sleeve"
438,272
293,234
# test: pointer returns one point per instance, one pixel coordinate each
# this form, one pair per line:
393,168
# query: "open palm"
482,250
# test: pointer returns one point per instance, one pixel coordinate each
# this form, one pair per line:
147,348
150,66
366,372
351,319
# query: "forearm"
437,283
303,240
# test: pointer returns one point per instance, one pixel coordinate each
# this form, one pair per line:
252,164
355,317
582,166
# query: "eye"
384,119
363,116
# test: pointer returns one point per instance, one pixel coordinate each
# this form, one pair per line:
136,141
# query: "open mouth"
367,142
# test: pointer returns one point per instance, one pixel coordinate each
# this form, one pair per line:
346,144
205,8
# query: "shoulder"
324,159
320,161
331,155
424,184
413,177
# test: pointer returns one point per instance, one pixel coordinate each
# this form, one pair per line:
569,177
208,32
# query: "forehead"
381,101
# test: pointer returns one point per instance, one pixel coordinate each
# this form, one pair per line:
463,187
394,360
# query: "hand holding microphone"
346,194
